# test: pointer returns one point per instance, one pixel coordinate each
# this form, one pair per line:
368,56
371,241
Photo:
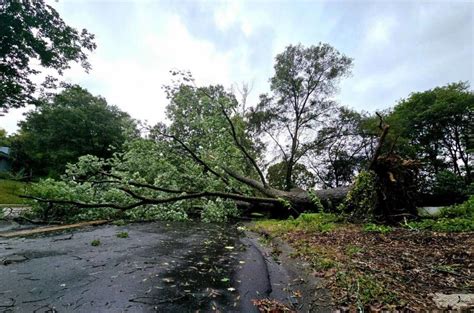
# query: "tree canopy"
33,32
66,126
436,127
302,86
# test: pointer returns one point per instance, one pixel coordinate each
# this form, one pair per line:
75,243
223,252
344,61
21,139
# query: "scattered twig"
167,300
65,238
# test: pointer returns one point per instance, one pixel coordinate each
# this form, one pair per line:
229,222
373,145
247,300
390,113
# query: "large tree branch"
236,139
268,191
242,148
120,180
86,205
144,200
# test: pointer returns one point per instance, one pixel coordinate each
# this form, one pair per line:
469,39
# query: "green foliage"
4,139
305,78
95,243
174,212
285,203
33,32
376,228
316,201
455,218
351,250
219,211
122,234
120,222
456,224
361,199
317,258
434,127
65,127
67,191
311,222
323,222
465,209
10,191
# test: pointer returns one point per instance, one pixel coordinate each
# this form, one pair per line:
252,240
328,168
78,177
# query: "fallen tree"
210,156
389,195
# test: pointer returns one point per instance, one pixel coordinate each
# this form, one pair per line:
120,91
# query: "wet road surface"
159,267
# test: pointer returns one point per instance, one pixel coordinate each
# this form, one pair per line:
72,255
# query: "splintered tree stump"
396,187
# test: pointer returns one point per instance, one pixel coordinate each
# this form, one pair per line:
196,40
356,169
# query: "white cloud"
380,31
226,14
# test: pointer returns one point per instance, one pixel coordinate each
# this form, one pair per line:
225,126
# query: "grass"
310,222
10,191
95,243
375,228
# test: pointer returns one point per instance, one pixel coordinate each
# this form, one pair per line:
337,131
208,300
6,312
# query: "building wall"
5,165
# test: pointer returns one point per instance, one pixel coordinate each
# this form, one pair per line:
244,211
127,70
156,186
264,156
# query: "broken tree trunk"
388,190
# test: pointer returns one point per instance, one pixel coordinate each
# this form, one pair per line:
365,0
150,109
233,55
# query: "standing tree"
66,126
32,31
302,178
304,81
341,149
435,126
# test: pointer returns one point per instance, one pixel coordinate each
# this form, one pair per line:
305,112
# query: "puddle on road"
203,281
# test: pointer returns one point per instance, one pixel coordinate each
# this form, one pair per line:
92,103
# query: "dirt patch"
401,269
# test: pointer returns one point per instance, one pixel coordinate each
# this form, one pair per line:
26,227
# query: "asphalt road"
159,267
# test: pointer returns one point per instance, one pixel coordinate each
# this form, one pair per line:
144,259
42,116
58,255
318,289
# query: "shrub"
465,209
454,218
361,200
444,224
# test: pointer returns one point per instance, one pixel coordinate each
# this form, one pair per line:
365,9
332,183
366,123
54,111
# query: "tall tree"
66,126
435,126
302,178
33,32
302,86
341,149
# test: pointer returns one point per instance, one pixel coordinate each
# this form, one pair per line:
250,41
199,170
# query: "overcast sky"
397,47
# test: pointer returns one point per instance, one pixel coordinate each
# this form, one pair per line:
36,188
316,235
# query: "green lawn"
9,191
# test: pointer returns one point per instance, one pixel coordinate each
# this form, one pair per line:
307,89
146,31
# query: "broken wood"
47,229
